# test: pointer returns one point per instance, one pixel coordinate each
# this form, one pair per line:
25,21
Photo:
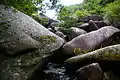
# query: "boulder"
116,24
76,32
92,25
101,23
23,67
90,72
55,23
60,34
108,58
19,33
93,17
83,26
91,40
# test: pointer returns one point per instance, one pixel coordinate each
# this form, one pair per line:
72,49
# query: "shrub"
112,12
42,21
81,13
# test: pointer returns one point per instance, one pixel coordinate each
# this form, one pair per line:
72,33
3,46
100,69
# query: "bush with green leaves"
26,6
112,12
30,7
43,21
69,22
81,13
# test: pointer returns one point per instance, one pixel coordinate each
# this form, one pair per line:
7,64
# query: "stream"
56,71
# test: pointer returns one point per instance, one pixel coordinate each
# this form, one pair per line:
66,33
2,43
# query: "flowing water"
55,71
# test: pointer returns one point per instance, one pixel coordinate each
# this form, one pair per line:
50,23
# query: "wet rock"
90,72
108,58
20,32
57,72
91,40
76,32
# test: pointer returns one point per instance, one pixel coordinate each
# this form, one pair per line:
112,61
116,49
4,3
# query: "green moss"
108,53
79,51
22,61
30,59
43,21
47,39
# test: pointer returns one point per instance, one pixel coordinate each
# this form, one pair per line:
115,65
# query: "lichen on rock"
47,39
22,65
111,53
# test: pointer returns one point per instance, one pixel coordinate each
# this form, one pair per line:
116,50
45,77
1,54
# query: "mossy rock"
107,57
108,53
48,39
79,51
19,67
19,32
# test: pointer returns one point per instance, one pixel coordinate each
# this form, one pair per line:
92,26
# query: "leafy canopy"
30,7
109,9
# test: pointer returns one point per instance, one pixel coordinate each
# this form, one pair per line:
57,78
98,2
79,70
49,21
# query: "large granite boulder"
76,32
108,58
91,40
19,32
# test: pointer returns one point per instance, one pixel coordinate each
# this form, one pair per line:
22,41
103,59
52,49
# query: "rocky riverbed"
30,51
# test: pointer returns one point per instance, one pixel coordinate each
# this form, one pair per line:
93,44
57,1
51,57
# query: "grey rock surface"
90,72
91,40
19,32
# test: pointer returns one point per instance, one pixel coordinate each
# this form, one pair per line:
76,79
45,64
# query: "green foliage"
92,6
42,21
70,22
81,13
79,51
70,15
27,6
30,7
112,12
